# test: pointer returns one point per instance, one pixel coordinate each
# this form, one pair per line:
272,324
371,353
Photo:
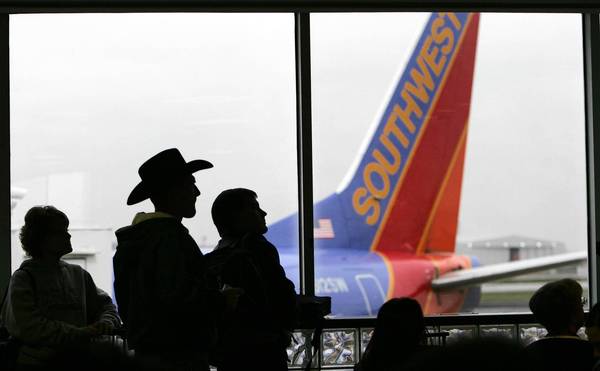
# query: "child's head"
558,306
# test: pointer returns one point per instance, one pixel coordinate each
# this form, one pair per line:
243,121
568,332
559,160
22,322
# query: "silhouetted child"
256,334
398,335
51,304
558,306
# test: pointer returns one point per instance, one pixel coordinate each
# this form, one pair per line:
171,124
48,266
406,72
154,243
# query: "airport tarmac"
512,297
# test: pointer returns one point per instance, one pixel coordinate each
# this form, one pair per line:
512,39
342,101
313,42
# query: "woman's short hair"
556,303
39,221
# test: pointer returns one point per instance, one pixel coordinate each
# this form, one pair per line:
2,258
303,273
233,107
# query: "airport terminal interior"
445,151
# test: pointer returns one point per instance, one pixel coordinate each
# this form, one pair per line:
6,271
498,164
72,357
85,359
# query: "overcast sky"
93,96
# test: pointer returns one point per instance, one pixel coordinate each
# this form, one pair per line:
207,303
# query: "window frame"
589,10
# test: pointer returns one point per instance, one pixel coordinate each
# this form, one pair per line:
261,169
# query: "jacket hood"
145,232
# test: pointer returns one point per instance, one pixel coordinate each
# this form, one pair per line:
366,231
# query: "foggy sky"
93,96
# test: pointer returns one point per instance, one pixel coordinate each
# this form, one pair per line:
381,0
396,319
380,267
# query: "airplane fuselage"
360,282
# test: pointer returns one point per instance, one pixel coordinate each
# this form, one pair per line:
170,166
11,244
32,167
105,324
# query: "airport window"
399,203
442,142
94,95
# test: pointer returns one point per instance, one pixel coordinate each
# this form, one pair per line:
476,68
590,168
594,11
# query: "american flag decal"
324,229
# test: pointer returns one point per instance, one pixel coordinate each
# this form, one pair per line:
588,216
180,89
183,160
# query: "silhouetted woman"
50,304
399,334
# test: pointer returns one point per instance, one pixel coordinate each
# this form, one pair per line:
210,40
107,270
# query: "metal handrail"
441,330
440,320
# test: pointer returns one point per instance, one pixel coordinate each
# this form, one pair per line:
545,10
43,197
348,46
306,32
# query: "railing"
344,341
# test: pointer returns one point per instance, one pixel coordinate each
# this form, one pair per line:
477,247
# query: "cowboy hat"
161,171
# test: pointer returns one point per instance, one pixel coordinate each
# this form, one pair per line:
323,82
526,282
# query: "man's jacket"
163,295
267,309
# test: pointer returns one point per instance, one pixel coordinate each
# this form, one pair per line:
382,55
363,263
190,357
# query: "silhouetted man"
167,304
256,334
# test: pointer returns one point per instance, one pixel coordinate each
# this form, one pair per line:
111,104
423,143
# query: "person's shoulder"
539,346
534,345
162,223
149,230
26,264
168,228
155,223
582,344
21,274
253,237
28,268
219,253
575,340
70,266
258,244
558,342
153,230
75,269
258,240
25,274
270,247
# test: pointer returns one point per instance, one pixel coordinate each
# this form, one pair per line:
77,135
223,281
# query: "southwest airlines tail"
390,228
403,191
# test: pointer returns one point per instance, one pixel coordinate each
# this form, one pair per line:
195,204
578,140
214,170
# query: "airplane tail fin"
403,192
441,237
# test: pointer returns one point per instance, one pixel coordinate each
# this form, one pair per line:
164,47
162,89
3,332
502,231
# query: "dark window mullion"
304,154
591,58
5,255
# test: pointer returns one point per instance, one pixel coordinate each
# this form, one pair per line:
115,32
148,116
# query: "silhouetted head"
401,321
168,181
399,331
45,233
177,199
236,212
558,307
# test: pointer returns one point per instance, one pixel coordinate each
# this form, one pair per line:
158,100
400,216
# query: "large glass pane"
93,96
443,142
